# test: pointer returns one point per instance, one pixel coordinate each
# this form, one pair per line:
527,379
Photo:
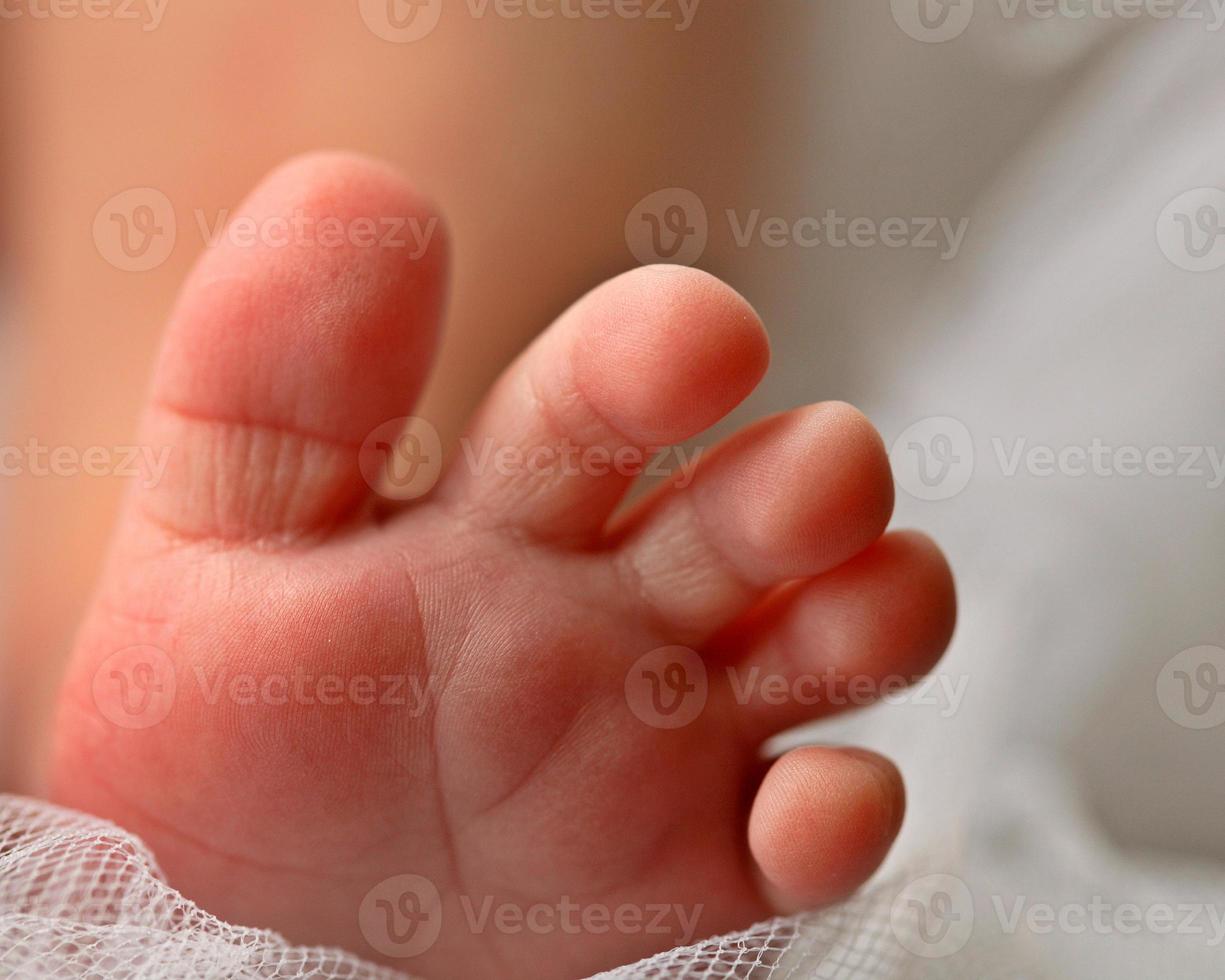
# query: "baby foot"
497,731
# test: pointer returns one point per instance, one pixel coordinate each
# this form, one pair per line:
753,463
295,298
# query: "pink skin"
527,776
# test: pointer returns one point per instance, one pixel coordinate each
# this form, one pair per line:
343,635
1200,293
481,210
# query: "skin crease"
526,777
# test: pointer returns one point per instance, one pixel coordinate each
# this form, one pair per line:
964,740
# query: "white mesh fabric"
848,942
81,898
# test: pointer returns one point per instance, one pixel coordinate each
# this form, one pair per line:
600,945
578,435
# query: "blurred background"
995,225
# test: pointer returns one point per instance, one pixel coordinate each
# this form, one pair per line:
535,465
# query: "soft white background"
1060,777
